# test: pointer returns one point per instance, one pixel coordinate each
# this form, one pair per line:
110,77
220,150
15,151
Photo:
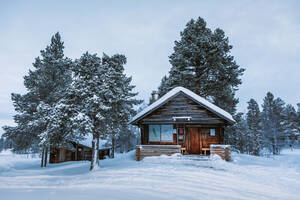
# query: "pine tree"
298,118
291,124
85,101
120,97
44,84
1,144
253,122
272,123
238,134
202,63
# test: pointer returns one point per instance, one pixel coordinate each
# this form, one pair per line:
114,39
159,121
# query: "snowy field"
174,177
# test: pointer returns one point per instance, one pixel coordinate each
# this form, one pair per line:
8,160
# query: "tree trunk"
42,160
113,147
46,158
95,152
76,152
97,149
93,155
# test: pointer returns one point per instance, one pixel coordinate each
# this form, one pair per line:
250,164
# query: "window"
161,133
167,133
212,132
154,133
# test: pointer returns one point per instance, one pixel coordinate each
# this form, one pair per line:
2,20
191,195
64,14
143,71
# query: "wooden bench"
205,150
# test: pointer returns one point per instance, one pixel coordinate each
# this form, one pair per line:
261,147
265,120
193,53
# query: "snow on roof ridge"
87,141
188,92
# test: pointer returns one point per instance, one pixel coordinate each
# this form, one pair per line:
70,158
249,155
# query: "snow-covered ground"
164,177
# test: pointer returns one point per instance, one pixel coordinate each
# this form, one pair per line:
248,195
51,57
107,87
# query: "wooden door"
193,141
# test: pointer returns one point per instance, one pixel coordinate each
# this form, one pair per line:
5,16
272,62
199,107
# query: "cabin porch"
143,151
192,138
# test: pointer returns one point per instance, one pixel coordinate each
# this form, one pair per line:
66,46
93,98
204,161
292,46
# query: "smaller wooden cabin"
180,119
76,151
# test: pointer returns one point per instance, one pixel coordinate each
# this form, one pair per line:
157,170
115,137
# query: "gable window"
161,133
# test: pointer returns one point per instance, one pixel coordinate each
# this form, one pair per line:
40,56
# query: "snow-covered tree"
254,129
85,101
119,97
273,123
201,62
238,133
45,85
291,124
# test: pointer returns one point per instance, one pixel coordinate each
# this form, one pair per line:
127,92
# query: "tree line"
268,131
69,99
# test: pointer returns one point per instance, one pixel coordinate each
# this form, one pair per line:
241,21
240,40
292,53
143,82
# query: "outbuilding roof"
172,93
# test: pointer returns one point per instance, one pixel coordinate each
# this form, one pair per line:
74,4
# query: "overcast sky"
265,36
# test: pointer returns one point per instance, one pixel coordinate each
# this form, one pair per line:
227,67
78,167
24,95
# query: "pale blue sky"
265,36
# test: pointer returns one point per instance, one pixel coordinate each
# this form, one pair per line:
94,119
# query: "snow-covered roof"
172,93
87,141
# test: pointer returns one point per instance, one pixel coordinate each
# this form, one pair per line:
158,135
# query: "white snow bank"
9,160
164,177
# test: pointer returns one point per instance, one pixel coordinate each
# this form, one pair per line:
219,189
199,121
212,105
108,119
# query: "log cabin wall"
80,152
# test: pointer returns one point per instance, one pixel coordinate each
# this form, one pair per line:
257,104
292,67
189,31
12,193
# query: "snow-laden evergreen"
69,100
254,128
45,85
202,62
265,132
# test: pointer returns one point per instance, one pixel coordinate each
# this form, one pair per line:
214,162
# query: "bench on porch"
205,150
143,151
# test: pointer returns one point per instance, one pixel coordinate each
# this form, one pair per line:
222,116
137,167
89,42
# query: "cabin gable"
178,106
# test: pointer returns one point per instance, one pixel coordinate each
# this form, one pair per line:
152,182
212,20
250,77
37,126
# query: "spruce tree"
45,85
253,122
119,97
291,124
238,134
273,123
201,62
85,100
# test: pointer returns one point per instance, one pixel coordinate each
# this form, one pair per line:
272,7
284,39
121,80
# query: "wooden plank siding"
79,152
181,106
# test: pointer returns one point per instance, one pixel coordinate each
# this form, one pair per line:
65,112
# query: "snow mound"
10,161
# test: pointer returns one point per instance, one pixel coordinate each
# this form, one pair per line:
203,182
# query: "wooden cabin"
180,121
79,150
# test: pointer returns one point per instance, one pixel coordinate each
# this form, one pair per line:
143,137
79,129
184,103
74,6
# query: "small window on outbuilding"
212,132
